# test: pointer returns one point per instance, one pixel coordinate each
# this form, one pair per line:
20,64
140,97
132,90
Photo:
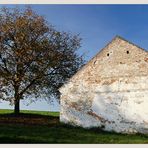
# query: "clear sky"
97,25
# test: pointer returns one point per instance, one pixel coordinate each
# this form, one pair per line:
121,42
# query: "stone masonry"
110,91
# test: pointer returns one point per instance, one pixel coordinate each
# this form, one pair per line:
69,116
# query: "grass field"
8,111
55,132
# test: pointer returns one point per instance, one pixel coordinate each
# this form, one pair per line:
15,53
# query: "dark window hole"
95,62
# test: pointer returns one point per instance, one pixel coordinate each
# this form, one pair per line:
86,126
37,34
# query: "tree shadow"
28,119
110,110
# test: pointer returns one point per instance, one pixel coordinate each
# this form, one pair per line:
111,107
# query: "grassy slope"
60,133
8,111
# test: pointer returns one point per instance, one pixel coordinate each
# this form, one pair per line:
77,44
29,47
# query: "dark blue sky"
97,25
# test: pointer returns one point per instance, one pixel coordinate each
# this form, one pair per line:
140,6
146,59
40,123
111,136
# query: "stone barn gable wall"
110,91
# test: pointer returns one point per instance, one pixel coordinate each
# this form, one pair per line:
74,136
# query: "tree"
35,58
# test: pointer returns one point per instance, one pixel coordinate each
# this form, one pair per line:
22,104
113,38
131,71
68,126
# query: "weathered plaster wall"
111,91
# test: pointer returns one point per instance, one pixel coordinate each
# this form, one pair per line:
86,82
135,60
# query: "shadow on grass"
28,119
26,115
35,128
17,140
63,133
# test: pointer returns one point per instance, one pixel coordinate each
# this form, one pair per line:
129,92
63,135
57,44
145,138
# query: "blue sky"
97,25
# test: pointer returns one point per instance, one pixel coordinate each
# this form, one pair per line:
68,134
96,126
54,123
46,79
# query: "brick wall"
110,91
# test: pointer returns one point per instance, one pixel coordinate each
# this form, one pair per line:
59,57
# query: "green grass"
9,111
61,133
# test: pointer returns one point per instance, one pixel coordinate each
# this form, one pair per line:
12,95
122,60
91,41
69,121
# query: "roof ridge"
87,63
117,36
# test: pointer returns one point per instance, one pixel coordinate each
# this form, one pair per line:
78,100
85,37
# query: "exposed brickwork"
114,86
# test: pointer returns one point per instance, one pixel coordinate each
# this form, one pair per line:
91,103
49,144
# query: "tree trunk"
16,99
17,106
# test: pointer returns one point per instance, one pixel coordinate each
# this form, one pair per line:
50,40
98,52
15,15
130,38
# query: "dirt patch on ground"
28,119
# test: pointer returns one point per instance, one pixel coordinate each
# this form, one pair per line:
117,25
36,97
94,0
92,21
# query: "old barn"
110,91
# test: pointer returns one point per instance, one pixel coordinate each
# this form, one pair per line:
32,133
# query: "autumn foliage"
35,58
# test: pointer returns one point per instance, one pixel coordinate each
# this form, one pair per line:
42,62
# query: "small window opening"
108,54
127,52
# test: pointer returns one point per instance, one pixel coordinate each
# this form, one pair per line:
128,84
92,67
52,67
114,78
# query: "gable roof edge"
87,63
